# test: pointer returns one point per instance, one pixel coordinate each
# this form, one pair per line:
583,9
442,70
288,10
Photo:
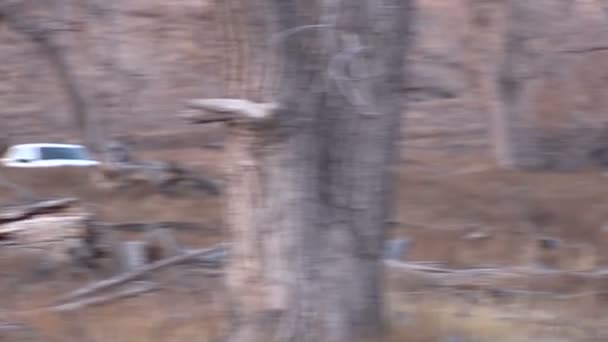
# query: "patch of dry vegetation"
441,204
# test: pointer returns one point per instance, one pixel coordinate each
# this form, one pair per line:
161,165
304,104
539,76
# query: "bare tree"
15,14
547,113
309,176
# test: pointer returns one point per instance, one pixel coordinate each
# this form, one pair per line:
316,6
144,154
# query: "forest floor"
459,212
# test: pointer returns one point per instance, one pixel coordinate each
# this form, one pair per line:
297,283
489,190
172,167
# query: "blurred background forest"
504,146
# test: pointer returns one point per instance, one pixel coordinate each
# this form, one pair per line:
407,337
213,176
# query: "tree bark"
309,181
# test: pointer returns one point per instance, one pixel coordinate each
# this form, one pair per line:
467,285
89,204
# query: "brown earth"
442,203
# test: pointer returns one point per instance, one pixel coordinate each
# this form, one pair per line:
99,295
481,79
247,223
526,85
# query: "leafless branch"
138,273
586,50
131,291
18,212
496,272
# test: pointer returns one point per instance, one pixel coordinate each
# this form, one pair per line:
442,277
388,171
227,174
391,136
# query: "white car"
47,155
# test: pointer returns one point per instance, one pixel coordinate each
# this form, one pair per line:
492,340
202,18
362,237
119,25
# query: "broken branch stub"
203,111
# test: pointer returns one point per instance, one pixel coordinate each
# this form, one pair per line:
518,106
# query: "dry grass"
440,202
432,322
440,205
172,316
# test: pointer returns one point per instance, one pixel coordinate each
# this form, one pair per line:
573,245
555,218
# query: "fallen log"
57,226
21,212
131,291
138,273
502,281
148,226
430,269
491,271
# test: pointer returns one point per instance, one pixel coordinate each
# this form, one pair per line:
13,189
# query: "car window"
76,153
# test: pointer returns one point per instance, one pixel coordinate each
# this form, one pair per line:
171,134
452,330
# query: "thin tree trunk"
508,120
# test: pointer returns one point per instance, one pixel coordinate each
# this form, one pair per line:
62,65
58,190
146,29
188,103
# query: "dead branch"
147,226
138,273
21,212
499,280
417,267
491,271
212,259
131,291
585,50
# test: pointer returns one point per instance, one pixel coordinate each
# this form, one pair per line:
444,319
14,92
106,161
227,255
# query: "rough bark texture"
309,184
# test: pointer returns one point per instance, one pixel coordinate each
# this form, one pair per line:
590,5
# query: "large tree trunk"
309,179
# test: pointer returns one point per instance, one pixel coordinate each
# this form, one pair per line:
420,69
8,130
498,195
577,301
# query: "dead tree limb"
130,291
138,273
147,226
399,266
505,280
21,212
